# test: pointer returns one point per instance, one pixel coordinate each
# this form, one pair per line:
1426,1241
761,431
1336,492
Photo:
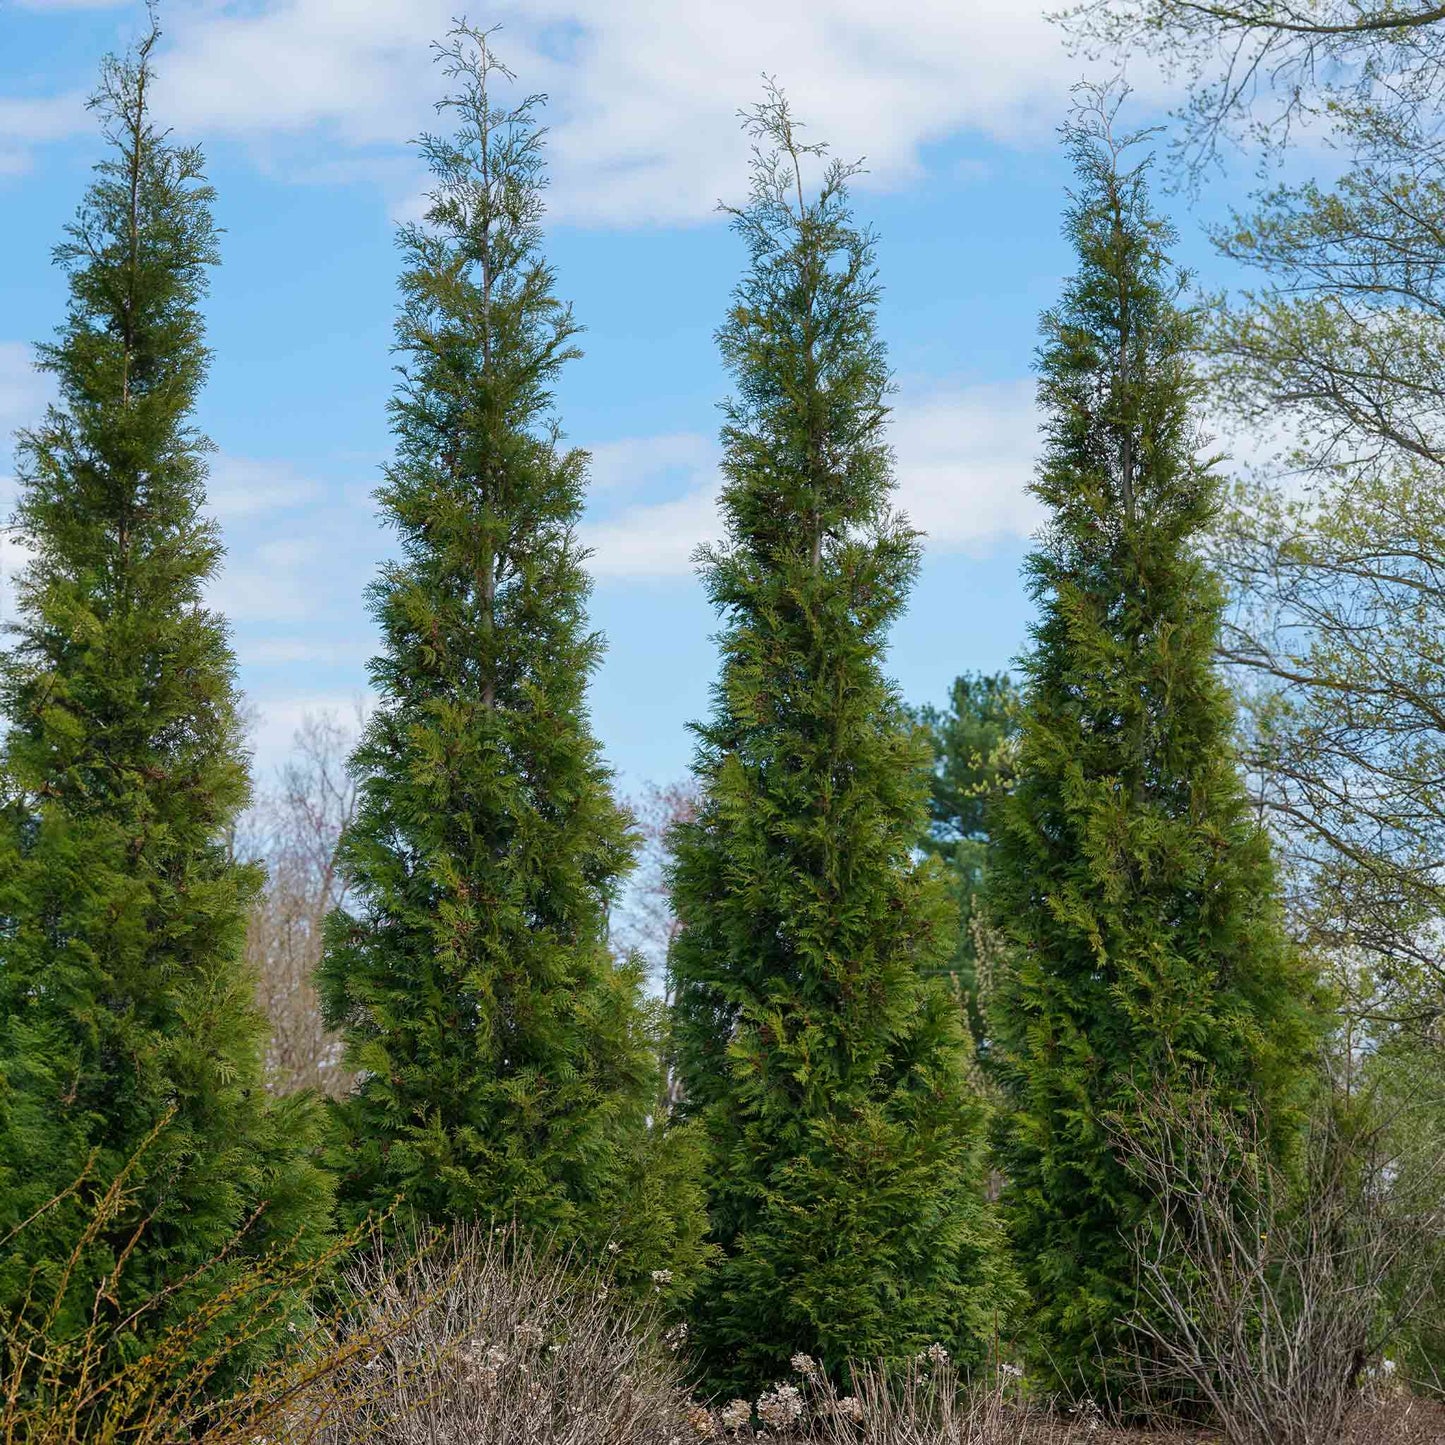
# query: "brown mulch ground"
1409,1422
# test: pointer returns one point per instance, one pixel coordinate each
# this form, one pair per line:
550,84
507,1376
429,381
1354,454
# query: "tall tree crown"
124,1002
1129,876
826,1074
506,1060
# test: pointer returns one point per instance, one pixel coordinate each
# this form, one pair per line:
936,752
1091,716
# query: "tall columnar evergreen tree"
124,1002
969,738
1130,877
507,1063
844,1177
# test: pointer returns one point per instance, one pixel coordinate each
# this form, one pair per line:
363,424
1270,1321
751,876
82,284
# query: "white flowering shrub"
510,1344
927,1403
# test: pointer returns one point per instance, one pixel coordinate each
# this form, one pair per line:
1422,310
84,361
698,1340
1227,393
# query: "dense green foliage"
845,1183
508,1063
123,1000
1130,878
1335,548
969,739
1073,873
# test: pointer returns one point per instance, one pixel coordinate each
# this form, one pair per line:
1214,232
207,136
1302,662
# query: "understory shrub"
509,1342
61,1384
1279,1305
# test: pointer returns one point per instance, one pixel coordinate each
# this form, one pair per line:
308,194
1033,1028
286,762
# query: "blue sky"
304,108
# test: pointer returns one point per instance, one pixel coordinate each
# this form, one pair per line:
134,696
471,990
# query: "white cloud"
70,4
243,487
47,117
276,719
12,552
23,390
273,651
965,458
273,581
624,465
26,122
23,394
643,120
655,540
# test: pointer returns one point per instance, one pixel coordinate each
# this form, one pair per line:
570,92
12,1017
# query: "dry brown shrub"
930,1402
510,1343
1272,1304
63,1386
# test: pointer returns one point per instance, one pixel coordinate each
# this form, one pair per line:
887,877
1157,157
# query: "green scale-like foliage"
508,1063
970,740
1133,884
844,1180
123,996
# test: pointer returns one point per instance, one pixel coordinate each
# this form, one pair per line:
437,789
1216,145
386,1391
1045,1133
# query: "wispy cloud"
23,394
278,716
644,96
965,457
620,467
654,540
965,460
244,487
27,122
23,391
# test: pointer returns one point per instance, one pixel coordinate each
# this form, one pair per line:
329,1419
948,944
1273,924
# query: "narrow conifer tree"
969,739
507,1062
125,1007
828,1074
1132,882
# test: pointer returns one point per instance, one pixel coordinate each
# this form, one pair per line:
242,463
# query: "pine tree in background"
1131,880
845,1185
970,770
508,1064
124,1000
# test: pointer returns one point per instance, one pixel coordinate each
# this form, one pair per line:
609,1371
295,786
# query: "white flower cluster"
781,1406
661,1278
483,1363
735,1415
934,1357
850,1407
805,1365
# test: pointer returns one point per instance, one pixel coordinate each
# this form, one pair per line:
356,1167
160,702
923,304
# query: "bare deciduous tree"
645,924
296,828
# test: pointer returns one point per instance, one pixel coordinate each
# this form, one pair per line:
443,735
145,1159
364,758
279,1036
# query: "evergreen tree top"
804,456
1115,380
112,491
130,1039
481,329
1128,872
505,1059
482,494
827,1075
138,256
